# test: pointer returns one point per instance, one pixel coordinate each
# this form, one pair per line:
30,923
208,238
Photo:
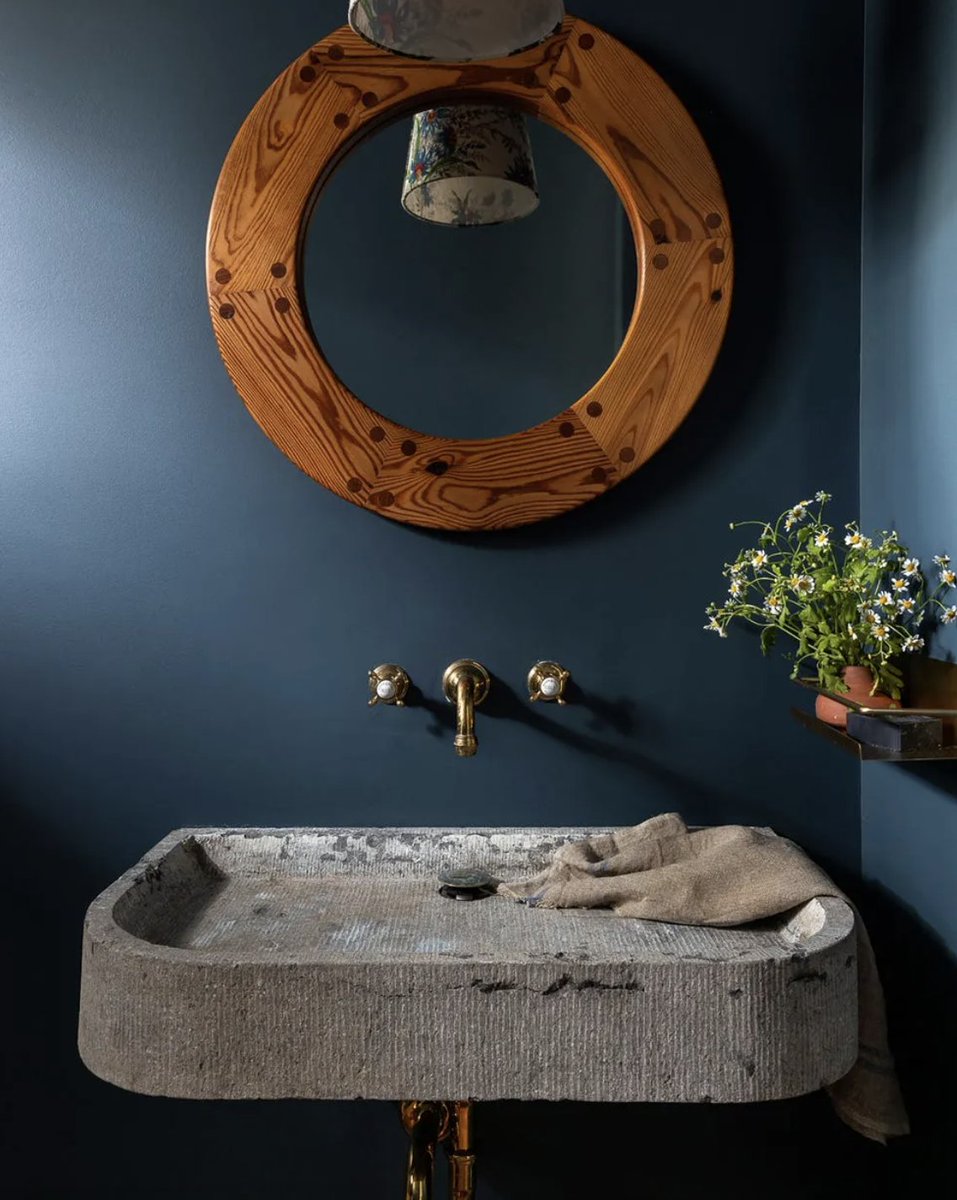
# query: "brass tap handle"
547,681
388,684
466,683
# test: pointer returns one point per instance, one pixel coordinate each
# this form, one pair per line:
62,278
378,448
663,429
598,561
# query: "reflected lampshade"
455,30
470,164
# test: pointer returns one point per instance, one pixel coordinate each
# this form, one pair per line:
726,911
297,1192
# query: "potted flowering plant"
852,606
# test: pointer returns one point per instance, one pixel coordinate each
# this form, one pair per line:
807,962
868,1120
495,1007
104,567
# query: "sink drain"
468,883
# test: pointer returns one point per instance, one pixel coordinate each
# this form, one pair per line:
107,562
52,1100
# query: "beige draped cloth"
726,875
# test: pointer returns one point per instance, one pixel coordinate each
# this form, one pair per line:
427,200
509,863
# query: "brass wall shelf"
902,711
930,684
865,753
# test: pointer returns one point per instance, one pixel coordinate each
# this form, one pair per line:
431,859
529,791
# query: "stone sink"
324,964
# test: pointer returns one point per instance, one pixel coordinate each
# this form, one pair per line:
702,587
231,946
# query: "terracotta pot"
860,681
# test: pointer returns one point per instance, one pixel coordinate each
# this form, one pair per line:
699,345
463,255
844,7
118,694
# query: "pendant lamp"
469,165
455,30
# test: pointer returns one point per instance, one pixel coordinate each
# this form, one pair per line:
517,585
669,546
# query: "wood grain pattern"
612,104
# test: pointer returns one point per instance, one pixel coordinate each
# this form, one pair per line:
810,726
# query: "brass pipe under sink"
427,1123
461,1153
466,683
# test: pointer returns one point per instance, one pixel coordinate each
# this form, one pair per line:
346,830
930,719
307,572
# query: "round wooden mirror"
612,104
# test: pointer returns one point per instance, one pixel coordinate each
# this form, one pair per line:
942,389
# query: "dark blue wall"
908,432
186,621
908,482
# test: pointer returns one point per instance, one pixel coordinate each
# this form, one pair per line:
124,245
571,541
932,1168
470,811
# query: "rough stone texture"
324,964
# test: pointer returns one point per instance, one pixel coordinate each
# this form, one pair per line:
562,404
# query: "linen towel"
726,875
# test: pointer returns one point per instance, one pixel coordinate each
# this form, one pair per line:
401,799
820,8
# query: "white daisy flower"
774,606
714,626
803,585
759,559
882,632
790,522
737,586
885,600
799,511
907,604
910,566
948,577
857,541
822,497
821,540
850,630
899,585
950,616
913,643
872,618
942,560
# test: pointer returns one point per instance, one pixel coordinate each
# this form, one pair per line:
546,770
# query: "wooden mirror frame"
608,101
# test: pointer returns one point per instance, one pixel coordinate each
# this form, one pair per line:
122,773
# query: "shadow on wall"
620,717
901,37
903,34
920,983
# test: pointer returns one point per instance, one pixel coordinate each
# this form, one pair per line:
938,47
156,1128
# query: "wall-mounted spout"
466,684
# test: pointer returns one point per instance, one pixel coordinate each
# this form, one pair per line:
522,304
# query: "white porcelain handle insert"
388,684
547,680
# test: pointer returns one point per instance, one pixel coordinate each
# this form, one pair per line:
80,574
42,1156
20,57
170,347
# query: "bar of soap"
897,734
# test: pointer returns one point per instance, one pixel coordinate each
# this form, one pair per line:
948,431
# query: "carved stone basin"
325,964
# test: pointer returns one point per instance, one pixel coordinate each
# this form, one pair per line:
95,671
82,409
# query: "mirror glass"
469,332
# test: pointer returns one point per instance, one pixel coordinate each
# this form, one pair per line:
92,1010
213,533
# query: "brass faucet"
466,684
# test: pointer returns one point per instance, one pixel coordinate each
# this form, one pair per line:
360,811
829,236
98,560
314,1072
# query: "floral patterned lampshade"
470,165
455,30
